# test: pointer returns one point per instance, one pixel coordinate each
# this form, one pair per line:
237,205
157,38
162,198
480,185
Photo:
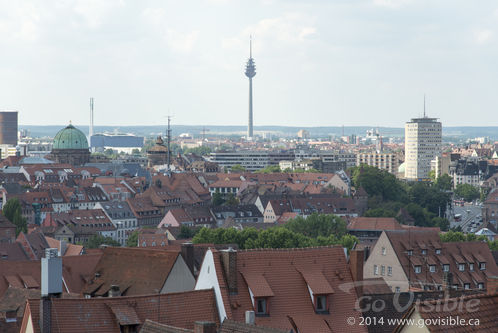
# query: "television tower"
90,129
250,72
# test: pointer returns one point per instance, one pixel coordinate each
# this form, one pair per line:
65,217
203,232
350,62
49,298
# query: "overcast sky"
319,63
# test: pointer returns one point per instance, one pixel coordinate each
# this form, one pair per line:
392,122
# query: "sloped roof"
97,315
452,253
136,271
291,307
486,312
374,223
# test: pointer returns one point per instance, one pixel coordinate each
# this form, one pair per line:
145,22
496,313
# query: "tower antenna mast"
169,142
250,73
424,106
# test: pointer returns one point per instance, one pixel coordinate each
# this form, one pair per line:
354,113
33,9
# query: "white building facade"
423,138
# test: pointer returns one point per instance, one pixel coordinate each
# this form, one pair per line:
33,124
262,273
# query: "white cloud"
289,28
483,36
181,42
95,11
21,22
391,3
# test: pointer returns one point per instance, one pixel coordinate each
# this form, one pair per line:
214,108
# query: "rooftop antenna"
90,130
424,107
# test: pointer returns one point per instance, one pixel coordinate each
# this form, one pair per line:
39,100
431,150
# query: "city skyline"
362,63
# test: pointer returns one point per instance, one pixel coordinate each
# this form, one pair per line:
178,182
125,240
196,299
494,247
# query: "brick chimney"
204,327
356,261
229,259
188,255
447,282
492,285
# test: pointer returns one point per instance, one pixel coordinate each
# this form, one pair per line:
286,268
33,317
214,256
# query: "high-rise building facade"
423,138
8,128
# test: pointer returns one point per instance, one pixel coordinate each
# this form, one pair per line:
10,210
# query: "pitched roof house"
290,289
418,260
138,271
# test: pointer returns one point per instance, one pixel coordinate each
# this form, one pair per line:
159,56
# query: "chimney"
51,286
114,291
492,285
188,255
447,282
204,327
356,261
250,317
51,274
229,259
63,248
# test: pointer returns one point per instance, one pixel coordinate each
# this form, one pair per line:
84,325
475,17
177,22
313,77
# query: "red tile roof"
374,223
482,308
451,253
137,271
102,315
291,306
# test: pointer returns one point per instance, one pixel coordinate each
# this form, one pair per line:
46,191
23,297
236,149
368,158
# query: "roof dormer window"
321,304
261,306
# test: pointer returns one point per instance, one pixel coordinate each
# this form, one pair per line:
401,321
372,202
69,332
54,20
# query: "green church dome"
70,138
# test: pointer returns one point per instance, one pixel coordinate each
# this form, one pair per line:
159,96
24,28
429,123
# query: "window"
410,252
261,306
389,270
383,251
418,269
471,267
376,270
383,270
432,268
321,303
461,267
446,268
424,252
466,286
480,285
482,266
397,289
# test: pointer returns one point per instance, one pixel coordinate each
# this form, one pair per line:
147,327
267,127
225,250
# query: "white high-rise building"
422,144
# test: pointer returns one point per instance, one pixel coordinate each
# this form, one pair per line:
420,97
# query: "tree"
12,211
380,212
97,240
186,232
201,150
135,151
453,236
441,222
318,225
132,240
379,182
231,200
467,192
270,169
444,182
217,199
237,168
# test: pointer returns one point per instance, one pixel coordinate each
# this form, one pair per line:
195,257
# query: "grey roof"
35,160
117,169
117,209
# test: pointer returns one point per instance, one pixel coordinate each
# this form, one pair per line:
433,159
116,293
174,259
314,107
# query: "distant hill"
150,131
